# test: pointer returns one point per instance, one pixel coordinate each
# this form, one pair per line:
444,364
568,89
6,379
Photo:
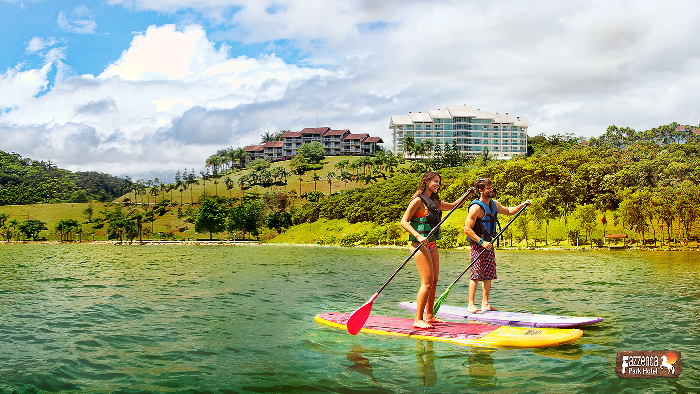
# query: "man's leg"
485,289
472,293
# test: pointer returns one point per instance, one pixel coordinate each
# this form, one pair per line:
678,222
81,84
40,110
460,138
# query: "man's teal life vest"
426,223
486,227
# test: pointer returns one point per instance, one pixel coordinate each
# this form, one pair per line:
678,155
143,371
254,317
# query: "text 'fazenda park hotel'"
473,130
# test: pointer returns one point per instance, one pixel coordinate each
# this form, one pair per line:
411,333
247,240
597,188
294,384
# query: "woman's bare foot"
487,307
422,324
433,319
473,309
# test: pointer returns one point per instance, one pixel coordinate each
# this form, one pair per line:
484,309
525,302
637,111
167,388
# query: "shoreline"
696,248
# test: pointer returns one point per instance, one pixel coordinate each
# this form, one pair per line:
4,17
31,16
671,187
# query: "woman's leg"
425,269
435,258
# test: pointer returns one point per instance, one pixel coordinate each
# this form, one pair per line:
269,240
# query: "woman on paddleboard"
423,213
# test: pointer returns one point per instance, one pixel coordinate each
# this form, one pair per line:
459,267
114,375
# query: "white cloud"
75,25
17,87
139,104
177,94
37,44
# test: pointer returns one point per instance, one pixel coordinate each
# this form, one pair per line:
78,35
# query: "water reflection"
482,373
360,363
563,352
426,363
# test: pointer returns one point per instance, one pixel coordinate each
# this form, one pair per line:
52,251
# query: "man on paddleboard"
480,227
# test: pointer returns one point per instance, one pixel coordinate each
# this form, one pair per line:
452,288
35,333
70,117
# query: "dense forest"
27,181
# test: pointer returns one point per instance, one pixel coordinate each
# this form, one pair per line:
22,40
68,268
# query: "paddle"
359,317
442,298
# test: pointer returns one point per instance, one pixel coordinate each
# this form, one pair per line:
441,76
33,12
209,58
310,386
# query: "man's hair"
481,183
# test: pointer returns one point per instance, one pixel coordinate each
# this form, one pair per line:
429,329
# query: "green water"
239,319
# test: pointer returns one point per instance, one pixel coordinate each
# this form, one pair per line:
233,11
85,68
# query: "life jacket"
427,221
487,226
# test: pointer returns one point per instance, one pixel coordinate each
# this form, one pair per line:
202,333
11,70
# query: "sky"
143,88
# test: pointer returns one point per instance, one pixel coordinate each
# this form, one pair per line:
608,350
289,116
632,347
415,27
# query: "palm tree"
316,178
346,176
409,144
329,177
192,180
205,176
342,165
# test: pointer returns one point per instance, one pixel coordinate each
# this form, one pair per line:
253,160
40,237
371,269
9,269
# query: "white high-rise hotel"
473,130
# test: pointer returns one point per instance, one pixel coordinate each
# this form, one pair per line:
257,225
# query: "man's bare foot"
433,319
487,307
422,324
473,309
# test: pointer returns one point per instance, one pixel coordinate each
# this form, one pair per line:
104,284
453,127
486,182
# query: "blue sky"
143,87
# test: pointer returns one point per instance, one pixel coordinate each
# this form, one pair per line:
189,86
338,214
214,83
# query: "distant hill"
27,181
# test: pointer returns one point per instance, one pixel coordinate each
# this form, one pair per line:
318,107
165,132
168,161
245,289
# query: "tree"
315,178
31,228
329,177
314,152
279,220
211,218
247,217
409,144
66,227
586,215
298,164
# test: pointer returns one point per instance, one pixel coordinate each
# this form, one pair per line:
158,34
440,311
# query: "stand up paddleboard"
510,318
482,335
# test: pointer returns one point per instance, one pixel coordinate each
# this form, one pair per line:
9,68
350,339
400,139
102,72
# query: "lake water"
239,319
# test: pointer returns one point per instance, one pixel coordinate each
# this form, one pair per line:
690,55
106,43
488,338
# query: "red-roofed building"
254,152
336,142
272,151
369,145
352,144
331,140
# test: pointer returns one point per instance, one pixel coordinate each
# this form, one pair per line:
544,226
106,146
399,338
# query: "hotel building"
336,142
473,130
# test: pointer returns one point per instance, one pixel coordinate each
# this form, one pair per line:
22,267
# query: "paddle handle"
432,231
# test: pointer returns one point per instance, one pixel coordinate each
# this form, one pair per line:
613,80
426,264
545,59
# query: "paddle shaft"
432,231
482,252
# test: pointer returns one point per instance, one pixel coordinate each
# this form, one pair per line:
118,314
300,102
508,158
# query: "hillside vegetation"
642,184
27,181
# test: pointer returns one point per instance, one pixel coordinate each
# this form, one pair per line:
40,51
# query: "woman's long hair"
424,183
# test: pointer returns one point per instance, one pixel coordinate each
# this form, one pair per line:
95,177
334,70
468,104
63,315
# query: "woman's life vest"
486,227
425,221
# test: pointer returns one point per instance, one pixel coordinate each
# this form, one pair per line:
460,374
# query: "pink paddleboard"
459,333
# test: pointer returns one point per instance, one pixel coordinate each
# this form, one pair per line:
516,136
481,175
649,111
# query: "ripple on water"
87,318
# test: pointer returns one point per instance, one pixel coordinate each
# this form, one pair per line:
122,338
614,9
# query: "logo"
648,364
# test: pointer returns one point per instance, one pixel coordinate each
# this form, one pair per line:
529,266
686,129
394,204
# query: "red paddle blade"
359,317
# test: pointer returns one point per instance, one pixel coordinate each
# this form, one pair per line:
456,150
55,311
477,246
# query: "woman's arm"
446,206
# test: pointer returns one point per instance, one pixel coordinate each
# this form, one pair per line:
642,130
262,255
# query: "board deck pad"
516,319
469,334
